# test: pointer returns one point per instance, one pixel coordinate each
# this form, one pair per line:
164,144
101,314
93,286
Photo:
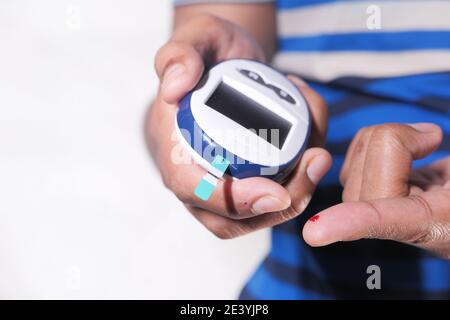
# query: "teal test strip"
206,186
221,164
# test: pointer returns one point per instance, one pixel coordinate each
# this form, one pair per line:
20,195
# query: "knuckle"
364,132
160,53
161,56
376,228
387,134
279,217
290,213
386,140
425,208
173,51
388,232
424,232
297,207
360,149
438,232
360,140
430,231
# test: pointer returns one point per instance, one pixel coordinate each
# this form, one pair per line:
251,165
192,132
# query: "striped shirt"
373,62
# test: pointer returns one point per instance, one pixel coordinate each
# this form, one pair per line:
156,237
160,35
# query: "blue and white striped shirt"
373,62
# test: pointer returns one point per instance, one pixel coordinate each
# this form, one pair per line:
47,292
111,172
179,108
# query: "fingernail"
268,204
423,127
172,73
315,170
296,80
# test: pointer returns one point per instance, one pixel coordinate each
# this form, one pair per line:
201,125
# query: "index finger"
414,219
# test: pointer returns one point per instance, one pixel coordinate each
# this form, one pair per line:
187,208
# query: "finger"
350,154
415,219
447,185
179,67
227,228
179,64
222,227
318,110
423,140
240,199
378,162
433,176
351,176
389,158
199,41
235,199
441,168
426,179
313,165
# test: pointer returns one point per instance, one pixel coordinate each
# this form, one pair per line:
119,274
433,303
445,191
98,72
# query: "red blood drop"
314,218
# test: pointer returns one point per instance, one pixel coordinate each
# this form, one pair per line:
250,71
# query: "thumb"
314,164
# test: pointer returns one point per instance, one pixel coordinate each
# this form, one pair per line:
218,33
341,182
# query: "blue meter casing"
250,115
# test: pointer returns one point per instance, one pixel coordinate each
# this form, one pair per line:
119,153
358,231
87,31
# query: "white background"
82,211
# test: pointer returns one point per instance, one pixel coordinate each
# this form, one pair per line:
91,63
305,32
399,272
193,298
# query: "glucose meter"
247,116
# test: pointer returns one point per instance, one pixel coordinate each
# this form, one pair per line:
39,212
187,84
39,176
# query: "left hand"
384,198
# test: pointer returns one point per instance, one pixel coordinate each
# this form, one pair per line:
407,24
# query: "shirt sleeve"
185,2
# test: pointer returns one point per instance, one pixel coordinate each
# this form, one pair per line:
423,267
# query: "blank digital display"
248,113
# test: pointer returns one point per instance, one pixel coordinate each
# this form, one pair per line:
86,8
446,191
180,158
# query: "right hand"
241,206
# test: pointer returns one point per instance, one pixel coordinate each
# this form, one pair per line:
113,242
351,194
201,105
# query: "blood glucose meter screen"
249,114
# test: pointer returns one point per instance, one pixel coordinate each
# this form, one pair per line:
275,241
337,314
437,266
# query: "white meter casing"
248,113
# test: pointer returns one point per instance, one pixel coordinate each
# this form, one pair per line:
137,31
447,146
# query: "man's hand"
204,39
385,199
236,207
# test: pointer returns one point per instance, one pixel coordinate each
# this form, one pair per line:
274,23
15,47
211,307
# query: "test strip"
206,186
221,164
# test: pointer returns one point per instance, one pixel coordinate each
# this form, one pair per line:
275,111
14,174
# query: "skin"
205,34
384,198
